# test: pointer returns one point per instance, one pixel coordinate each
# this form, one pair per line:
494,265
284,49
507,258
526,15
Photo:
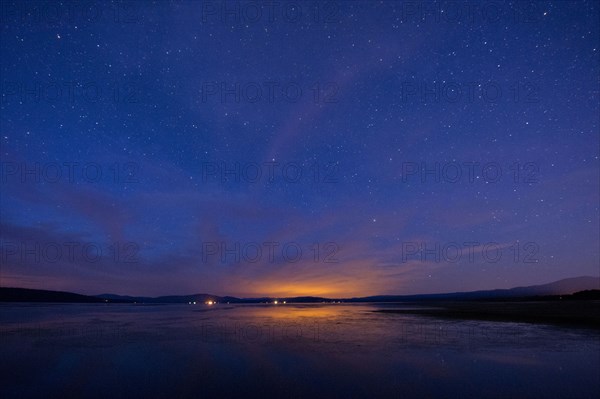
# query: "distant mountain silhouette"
29,295
202,298
562,287
198,298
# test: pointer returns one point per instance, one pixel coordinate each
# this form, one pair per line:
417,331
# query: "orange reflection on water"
295,311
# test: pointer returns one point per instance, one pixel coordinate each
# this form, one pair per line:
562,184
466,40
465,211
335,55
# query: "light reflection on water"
321,350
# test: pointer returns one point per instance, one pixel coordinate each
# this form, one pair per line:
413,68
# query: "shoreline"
583,313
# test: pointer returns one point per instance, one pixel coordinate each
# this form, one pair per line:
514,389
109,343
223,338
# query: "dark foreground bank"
575,313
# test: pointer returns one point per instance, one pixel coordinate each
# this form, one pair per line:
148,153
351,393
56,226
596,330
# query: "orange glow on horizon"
357,278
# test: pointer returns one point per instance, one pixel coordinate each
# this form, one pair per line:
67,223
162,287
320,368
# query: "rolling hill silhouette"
561,287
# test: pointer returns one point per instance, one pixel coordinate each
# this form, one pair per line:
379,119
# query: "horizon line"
307,296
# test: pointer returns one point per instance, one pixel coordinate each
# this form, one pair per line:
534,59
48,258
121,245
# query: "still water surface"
312,350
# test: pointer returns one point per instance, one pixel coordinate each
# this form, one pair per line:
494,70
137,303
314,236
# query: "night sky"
339,149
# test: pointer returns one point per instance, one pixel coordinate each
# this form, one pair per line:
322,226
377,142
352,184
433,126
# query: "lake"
285,351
